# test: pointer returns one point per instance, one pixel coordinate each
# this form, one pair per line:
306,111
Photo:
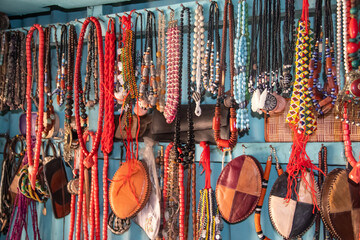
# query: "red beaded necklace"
109,125
34,162
88,160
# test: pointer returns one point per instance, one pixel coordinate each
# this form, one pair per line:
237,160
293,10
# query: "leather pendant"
270,102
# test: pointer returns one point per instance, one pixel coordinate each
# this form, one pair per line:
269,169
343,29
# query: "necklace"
77,92
61,79
198,56
91,69
34,162
300,116
210,78
160,62
50,113
289,41
109,125
226,144
148,85
173,70
241,60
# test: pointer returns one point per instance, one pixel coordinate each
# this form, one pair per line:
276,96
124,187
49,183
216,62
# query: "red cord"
205,162
34,162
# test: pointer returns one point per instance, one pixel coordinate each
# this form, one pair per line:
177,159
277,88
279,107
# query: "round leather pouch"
340,205
238,188
130,189
292,218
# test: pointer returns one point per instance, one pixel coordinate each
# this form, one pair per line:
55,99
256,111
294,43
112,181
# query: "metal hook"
161,11
112,18
25,29
181,5
138,14
77,20
243,146
198,4
171,9
98,18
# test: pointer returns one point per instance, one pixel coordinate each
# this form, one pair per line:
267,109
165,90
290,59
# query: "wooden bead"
353,28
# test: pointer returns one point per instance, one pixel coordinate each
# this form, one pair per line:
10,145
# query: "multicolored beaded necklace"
300,117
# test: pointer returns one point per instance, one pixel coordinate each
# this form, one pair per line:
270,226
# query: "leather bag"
340,205
162,132
293,218
56,181
130,189
238,188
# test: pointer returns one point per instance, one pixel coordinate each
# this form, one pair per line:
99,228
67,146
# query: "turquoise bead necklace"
241,62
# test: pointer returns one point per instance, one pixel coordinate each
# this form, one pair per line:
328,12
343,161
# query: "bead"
352,47
355,63
353,28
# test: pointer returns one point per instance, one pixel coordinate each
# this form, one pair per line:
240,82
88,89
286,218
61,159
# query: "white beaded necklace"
198,56
338,41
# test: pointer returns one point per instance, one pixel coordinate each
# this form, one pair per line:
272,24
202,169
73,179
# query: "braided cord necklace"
34,162
226,144
173,70
109,125
241,61
77,91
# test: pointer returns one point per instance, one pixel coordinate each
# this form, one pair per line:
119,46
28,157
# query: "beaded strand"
241,60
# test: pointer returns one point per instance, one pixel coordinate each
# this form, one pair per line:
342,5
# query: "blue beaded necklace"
241,61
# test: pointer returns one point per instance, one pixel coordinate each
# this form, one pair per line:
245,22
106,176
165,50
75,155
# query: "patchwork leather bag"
340,205
238,188
292,218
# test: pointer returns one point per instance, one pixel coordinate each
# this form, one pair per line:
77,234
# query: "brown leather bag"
238,188
340,205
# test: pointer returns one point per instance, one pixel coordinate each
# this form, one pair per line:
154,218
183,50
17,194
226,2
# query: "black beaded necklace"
289,47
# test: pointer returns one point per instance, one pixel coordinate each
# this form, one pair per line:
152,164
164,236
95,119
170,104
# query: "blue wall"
51,228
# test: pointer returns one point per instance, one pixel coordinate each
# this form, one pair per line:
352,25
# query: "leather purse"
56,181
162,132
292,219
340,205
238,188
130,189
